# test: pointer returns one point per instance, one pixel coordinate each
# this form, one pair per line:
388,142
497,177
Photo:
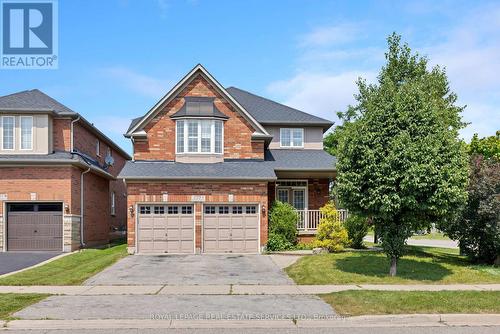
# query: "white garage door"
165,229
231,229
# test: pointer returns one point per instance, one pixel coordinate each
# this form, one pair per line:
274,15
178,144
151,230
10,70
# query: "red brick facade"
160,144
62,183
244,193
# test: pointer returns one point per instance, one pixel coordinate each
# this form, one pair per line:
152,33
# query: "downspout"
72,148
82,243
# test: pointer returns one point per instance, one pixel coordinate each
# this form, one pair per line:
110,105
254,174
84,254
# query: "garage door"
231,229
34,227
165,229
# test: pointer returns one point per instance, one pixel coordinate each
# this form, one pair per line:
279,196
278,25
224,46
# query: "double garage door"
34,227
170,229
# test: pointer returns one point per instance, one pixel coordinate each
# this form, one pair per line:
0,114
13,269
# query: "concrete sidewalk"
236,289
385,321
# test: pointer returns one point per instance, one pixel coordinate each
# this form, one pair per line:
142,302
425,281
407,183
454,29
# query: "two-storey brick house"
208,162
58,185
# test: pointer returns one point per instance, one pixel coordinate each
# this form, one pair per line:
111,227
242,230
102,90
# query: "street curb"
38,264
407,320
98,290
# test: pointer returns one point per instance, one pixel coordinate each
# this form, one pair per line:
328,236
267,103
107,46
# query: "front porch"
307,196
309,220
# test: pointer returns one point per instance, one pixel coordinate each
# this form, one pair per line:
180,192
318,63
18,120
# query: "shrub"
357,229
478,227
331,235
278,242
283,221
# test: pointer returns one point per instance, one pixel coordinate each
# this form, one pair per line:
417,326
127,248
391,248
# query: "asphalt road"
13,261
369,330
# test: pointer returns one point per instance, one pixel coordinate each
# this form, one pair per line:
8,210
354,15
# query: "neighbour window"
113,207
8,132
292,137
199,136
108,152
26,132
98,148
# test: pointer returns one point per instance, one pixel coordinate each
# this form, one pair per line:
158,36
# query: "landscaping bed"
411,302
420,265
73,269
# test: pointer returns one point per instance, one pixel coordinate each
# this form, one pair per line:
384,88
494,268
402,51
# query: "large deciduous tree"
401,161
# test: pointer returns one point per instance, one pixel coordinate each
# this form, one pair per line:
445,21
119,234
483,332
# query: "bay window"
199,136
292,137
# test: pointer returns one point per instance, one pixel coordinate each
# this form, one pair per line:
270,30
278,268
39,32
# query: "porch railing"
309,219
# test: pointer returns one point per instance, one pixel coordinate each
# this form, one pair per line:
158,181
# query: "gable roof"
35,101
267,111
197,70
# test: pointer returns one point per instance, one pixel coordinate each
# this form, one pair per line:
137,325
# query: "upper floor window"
199,136
292,137
26,132
113,203
98,148
8,125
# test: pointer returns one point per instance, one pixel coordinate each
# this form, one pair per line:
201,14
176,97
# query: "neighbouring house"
58,177
209,161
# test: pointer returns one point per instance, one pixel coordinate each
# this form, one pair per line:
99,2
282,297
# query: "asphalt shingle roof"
33,100
306,160
290,159
266,111
195,171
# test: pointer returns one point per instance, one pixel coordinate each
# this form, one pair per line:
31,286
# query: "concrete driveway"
13,261
192,270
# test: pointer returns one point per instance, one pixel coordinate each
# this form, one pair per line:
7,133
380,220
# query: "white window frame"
186,122
21,133
291,145
282,185
98,148
113,203
13,134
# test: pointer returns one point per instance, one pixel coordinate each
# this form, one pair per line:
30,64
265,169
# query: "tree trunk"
393,269
375,237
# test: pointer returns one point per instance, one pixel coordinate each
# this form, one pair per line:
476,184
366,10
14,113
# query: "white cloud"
112,124
329,35
139,83
326,70
320,94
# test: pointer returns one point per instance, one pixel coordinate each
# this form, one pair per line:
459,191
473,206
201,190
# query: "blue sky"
118,57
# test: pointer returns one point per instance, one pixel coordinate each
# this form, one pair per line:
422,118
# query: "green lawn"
424,265
430,236
407,302
69,270
13,302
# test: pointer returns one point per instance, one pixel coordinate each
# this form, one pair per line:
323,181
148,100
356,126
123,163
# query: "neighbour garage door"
165,229
231,229
34,227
